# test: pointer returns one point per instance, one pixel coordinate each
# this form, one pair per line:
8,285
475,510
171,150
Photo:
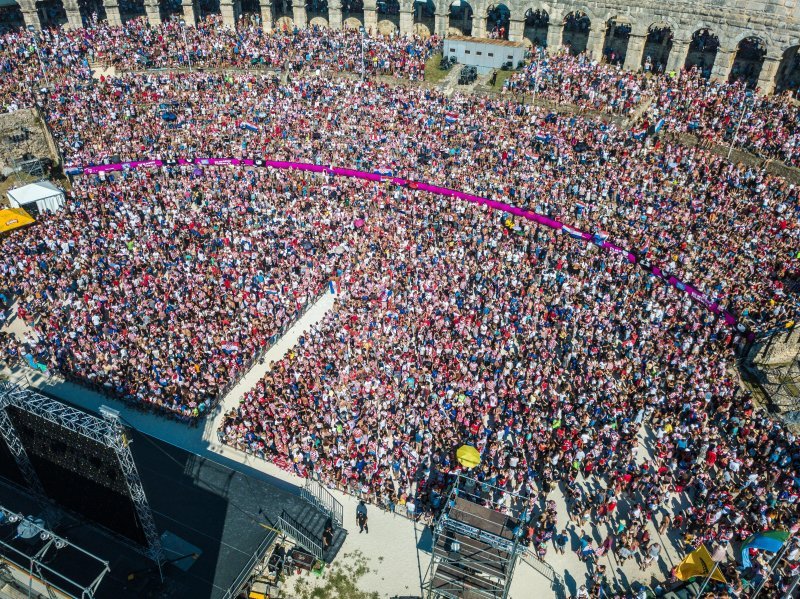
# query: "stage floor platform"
200,503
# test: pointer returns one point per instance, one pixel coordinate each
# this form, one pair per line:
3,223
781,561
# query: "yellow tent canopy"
13,218
468,456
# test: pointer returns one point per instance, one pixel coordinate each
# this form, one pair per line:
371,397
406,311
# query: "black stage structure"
214,523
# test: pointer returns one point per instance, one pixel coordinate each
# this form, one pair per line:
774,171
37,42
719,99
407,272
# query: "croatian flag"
230,347
542,137
600,237
572,232
450,117
248,126
639,133
386,172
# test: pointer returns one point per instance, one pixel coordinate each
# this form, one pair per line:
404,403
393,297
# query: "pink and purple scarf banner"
690,290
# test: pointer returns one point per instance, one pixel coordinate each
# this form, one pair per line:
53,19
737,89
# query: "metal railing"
541,566
250,567
317,495
293,529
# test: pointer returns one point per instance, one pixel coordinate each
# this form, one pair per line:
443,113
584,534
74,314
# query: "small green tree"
341,581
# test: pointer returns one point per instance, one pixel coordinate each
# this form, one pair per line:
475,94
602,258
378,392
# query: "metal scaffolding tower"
18,451
106,431
475,547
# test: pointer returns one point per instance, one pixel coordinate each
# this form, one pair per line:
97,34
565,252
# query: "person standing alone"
361,517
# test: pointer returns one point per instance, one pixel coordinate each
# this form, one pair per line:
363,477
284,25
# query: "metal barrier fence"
542,567
249,568
294,529
315,493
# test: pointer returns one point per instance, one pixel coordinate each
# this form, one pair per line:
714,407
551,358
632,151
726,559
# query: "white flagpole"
705,582
789,594
772,566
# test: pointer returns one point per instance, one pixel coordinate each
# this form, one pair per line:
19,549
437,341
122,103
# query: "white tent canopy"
37,197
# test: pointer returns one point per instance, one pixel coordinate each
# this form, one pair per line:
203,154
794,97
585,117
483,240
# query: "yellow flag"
698,563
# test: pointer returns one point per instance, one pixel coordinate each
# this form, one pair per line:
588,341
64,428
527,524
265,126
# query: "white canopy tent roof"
43,194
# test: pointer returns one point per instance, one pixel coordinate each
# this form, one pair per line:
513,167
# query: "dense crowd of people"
453,323
717,112
586,173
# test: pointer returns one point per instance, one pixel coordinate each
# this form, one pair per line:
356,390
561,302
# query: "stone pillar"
299,13
766,78
74,20
30,15
189,16
266,15
596,41
406,21
633,55
112,12
723,63
555,36
516,30
370,17
478,25
153,12
677,55
335,14
441,23
229,11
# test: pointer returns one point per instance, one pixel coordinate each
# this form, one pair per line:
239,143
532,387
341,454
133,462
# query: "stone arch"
352,11
498,19
284,23
459,18
734,42
657,46
319,22
210,7
282,10
317,12
750,53
788,76
389,11
250,8
703,46
90,8
617,34
11,18
52,13
170,8
387,27
424,17
577,25
352,23
537,22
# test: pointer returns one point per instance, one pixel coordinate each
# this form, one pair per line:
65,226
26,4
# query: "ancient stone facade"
670,33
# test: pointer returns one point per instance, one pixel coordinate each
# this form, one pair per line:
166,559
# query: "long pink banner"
692,291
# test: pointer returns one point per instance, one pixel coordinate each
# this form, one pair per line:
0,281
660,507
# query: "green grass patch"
502,75
433,74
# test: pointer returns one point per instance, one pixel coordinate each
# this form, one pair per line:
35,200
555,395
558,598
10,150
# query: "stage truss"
34,564
475,548
107,431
